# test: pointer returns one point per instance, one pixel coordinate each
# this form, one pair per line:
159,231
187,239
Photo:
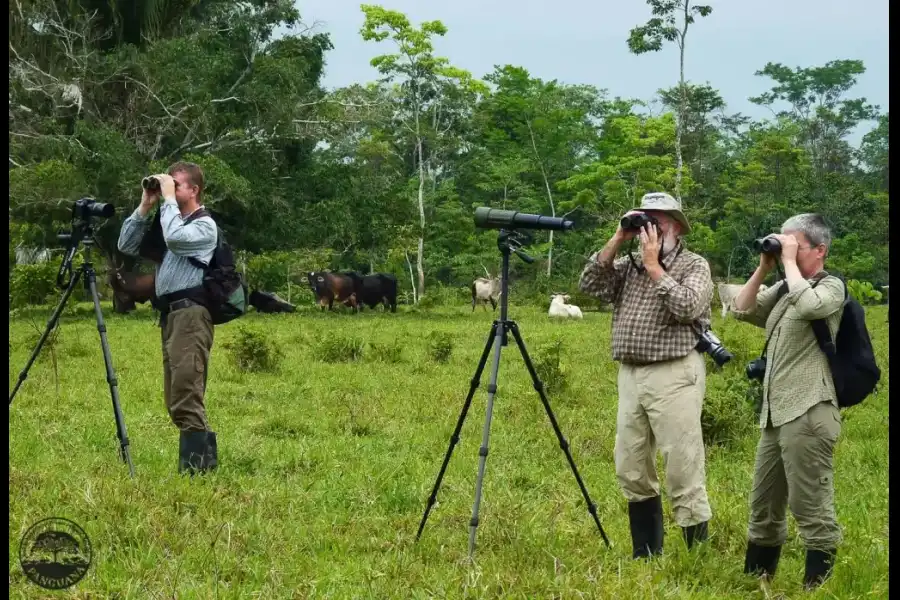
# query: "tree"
815,96
423,79
665,27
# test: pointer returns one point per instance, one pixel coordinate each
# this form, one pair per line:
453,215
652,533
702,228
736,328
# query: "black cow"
377,288
329,287
267,302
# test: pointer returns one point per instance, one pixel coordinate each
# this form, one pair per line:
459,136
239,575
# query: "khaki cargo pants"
795,467
187,339
659,407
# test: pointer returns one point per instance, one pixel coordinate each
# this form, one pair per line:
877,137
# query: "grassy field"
326,466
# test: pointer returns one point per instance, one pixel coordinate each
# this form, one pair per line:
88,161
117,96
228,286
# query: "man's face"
669,228
809,257
185,191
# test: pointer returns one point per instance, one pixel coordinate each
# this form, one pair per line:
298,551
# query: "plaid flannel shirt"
653,321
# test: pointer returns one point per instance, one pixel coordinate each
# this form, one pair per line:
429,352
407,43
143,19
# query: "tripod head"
82,233
512,240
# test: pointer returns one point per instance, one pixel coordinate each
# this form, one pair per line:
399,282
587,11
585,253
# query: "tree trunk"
549,197
412,280
681,102
419,268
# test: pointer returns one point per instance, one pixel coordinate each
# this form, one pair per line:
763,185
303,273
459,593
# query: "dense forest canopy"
385,175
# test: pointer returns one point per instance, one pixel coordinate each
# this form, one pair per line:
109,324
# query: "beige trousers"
659,408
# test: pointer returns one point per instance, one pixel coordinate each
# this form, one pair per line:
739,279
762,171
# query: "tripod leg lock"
483,451
492,388
564,443
539,385
473,522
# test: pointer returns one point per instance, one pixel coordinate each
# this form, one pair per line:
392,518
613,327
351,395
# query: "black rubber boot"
192,455
695,534
646,521
762,560
818,567
212,451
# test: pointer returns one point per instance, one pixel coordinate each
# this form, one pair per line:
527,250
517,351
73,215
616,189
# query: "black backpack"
851,358
224,292
850,355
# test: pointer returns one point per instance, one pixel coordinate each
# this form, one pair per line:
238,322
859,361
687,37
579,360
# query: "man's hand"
789,247
650,246
167,185
766,263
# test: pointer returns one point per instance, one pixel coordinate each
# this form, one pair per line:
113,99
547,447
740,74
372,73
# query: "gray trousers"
794,467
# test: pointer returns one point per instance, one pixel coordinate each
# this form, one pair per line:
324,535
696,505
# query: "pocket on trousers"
199,365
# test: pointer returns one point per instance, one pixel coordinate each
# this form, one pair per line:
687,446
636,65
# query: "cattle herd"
356,291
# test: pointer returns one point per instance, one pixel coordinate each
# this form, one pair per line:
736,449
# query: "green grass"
326,466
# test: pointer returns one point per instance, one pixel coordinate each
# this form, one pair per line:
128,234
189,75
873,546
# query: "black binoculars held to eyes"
151,184
767,245
637,221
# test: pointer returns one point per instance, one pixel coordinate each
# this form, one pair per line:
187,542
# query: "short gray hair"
812,225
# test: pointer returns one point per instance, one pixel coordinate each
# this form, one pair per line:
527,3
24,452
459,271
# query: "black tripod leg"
485,436
51,324
563,443
454,439
110,375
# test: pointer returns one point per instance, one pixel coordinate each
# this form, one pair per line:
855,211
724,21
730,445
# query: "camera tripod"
83,234
508,241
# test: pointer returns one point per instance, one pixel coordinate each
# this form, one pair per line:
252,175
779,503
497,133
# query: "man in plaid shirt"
661,302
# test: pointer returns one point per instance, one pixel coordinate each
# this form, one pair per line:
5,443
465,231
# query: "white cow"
729,291
484,290
559,307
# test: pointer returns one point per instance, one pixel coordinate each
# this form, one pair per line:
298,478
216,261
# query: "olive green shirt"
797,373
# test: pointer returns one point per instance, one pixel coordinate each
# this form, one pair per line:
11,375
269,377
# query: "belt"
183,303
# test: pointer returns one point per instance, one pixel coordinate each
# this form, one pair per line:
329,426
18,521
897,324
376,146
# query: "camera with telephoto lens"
767,245
711,344
636,221
151,184
86,208
756,370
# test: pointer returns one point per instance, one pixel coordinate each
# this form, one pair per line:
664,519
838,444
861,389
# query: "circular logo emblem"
55,553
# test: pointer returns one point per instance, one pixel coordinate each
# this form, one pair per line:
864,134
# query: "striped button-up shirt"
653,321
196,239
797,373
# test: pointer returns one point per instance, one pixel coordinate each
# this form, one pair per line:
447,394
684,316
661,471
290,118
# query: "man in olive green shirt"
800,418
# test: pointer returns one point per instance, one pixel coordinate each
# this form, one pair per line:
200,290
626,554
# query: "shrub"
547,365
863,292
339,349
389,353
254,352
33,284
728,411
440,346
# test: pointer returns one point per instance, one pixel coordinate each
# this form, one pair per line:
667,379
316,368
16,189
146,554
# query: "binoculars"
151,184
637,221
768,245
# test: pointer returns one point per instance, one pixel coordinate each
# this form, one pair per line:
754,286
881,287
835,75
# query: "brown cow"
130,288
329,287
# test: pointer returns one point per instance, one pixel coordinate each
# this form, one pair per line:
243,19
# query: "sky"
584,42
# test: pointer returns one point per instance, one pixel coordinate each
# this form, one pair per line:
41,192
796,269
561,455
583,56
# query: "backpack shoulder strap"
201,212
820,327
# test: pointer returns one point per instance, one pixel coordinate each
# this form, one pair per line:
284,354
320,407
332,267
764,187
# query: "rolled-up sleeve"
818,302
758,312
689,299
603,280
195,238
133,230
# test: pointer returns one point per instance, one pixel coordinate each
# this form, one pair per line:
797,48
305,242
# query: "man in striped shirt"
661,300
